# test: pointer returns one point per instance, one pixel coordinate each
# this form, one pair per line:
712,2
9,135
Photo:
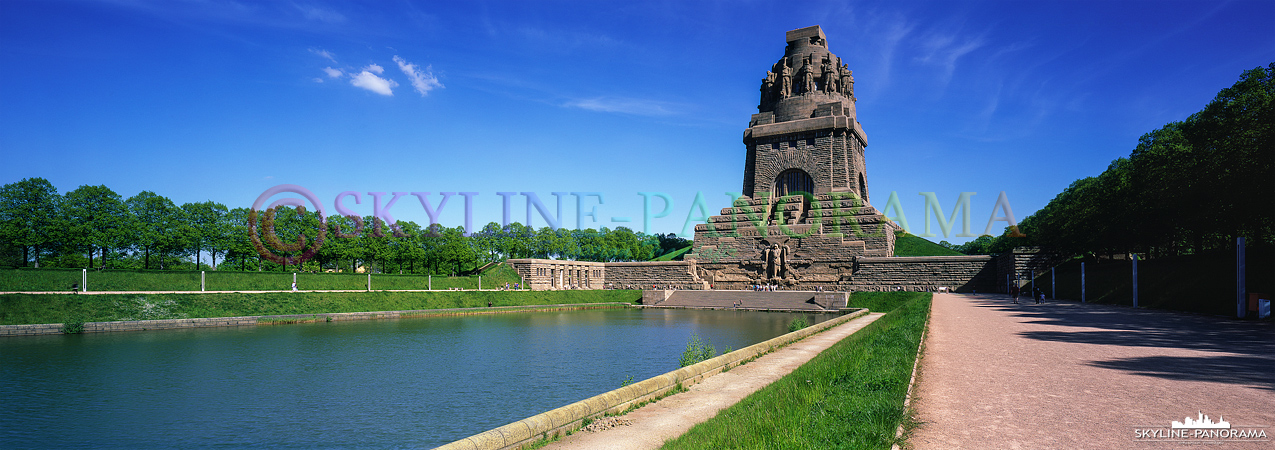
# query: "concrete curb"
170,324
916,364
567,418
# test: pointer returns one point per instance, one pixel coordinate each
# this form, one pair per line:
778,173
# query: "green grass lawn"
165,280
848,397
911,245
60,308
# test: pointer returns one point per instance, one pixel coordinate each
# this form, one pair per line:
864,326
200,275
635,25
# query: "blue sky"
220,100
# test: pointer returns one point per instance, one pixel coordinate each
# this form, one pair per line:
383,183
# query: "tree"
28,212
159,225
96,218
206,221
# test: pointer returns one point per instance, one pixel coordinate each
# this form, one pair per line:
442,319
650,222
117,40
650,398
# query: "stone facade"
804,216
552,274
804,221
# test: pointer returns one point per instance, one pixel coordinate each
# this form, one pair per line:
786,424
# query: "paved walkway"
1068,375
655,423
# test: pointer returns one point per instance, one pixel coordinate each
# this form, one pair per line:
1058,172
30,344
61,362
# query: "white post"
429,282
84,280
294,277
1135,280
369,281
1082,282
201,281
1240,287
480,282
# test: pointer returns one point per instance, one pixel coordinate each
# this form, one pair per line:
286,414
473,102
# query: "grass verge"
217,280
850,396
17,309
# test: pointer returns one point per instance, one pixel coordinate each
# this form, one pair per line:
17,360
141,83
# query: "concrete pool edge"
566,418
238,321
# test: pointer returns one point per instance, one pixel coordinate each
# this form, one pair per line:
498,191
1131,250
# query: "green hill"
911,245
675,255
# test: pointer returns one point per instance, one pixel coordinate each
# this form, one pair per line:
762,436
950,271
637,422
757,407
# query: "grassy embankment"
849,396
27,280
911,245
61,308
674,255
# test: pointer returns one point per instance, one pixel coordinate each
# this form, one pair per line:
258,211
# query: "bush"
697,350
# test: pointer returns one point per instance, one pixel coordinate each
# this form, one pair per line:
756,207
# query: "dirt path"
1069,375
651,425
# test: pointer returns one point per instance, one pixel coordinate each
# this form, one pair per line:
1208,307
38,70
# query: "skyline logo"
1201,429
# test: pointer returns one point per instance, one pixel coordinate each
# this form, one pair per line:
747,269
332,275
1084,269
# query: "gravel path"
1070,375
649,426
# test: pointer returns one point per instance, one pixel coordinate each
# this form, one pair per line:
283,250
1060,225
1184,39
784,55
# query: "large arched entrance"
792,181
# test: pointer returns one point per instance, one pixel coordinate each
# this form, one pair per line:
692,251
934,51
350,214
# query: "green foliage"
848,396
906,244
1214,161
73,327
797,324
627,381
697,350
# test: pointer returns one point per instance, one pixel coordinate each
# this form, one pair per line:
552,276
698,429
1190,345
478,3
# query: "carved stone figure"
829,78
847,81
805,78
774,261
785,79
767,88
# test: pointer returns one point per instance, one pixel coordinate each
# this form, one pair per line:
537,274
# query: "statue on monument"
767,88
805,78
847,81
785,79
829,77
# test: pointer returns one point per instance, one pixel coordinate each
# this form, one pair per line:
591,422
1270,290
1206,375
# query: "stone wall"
924,273
644,275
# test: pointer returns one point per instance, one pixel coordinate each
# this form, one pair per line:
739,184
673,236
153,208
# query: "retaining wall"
169,324
559,421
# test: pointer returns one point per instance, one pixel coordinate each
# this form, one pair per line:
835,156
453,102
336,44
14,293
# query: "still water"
381,383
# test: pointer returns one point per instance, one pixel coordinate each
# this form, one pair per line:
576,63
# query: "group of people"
1038,296
765,287
507,286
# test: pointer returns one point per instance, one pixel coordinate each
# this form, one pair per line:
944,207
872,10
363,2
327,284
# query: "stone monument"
804,216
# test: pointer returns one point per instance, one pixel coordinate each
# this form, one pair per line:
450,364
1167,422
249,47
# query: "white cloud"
635,106
318,80
423,82
332,73
324,53
368,80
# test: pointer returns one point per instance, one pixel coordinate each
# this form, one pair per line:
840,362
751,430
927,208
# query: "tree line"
94,227
1187,187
